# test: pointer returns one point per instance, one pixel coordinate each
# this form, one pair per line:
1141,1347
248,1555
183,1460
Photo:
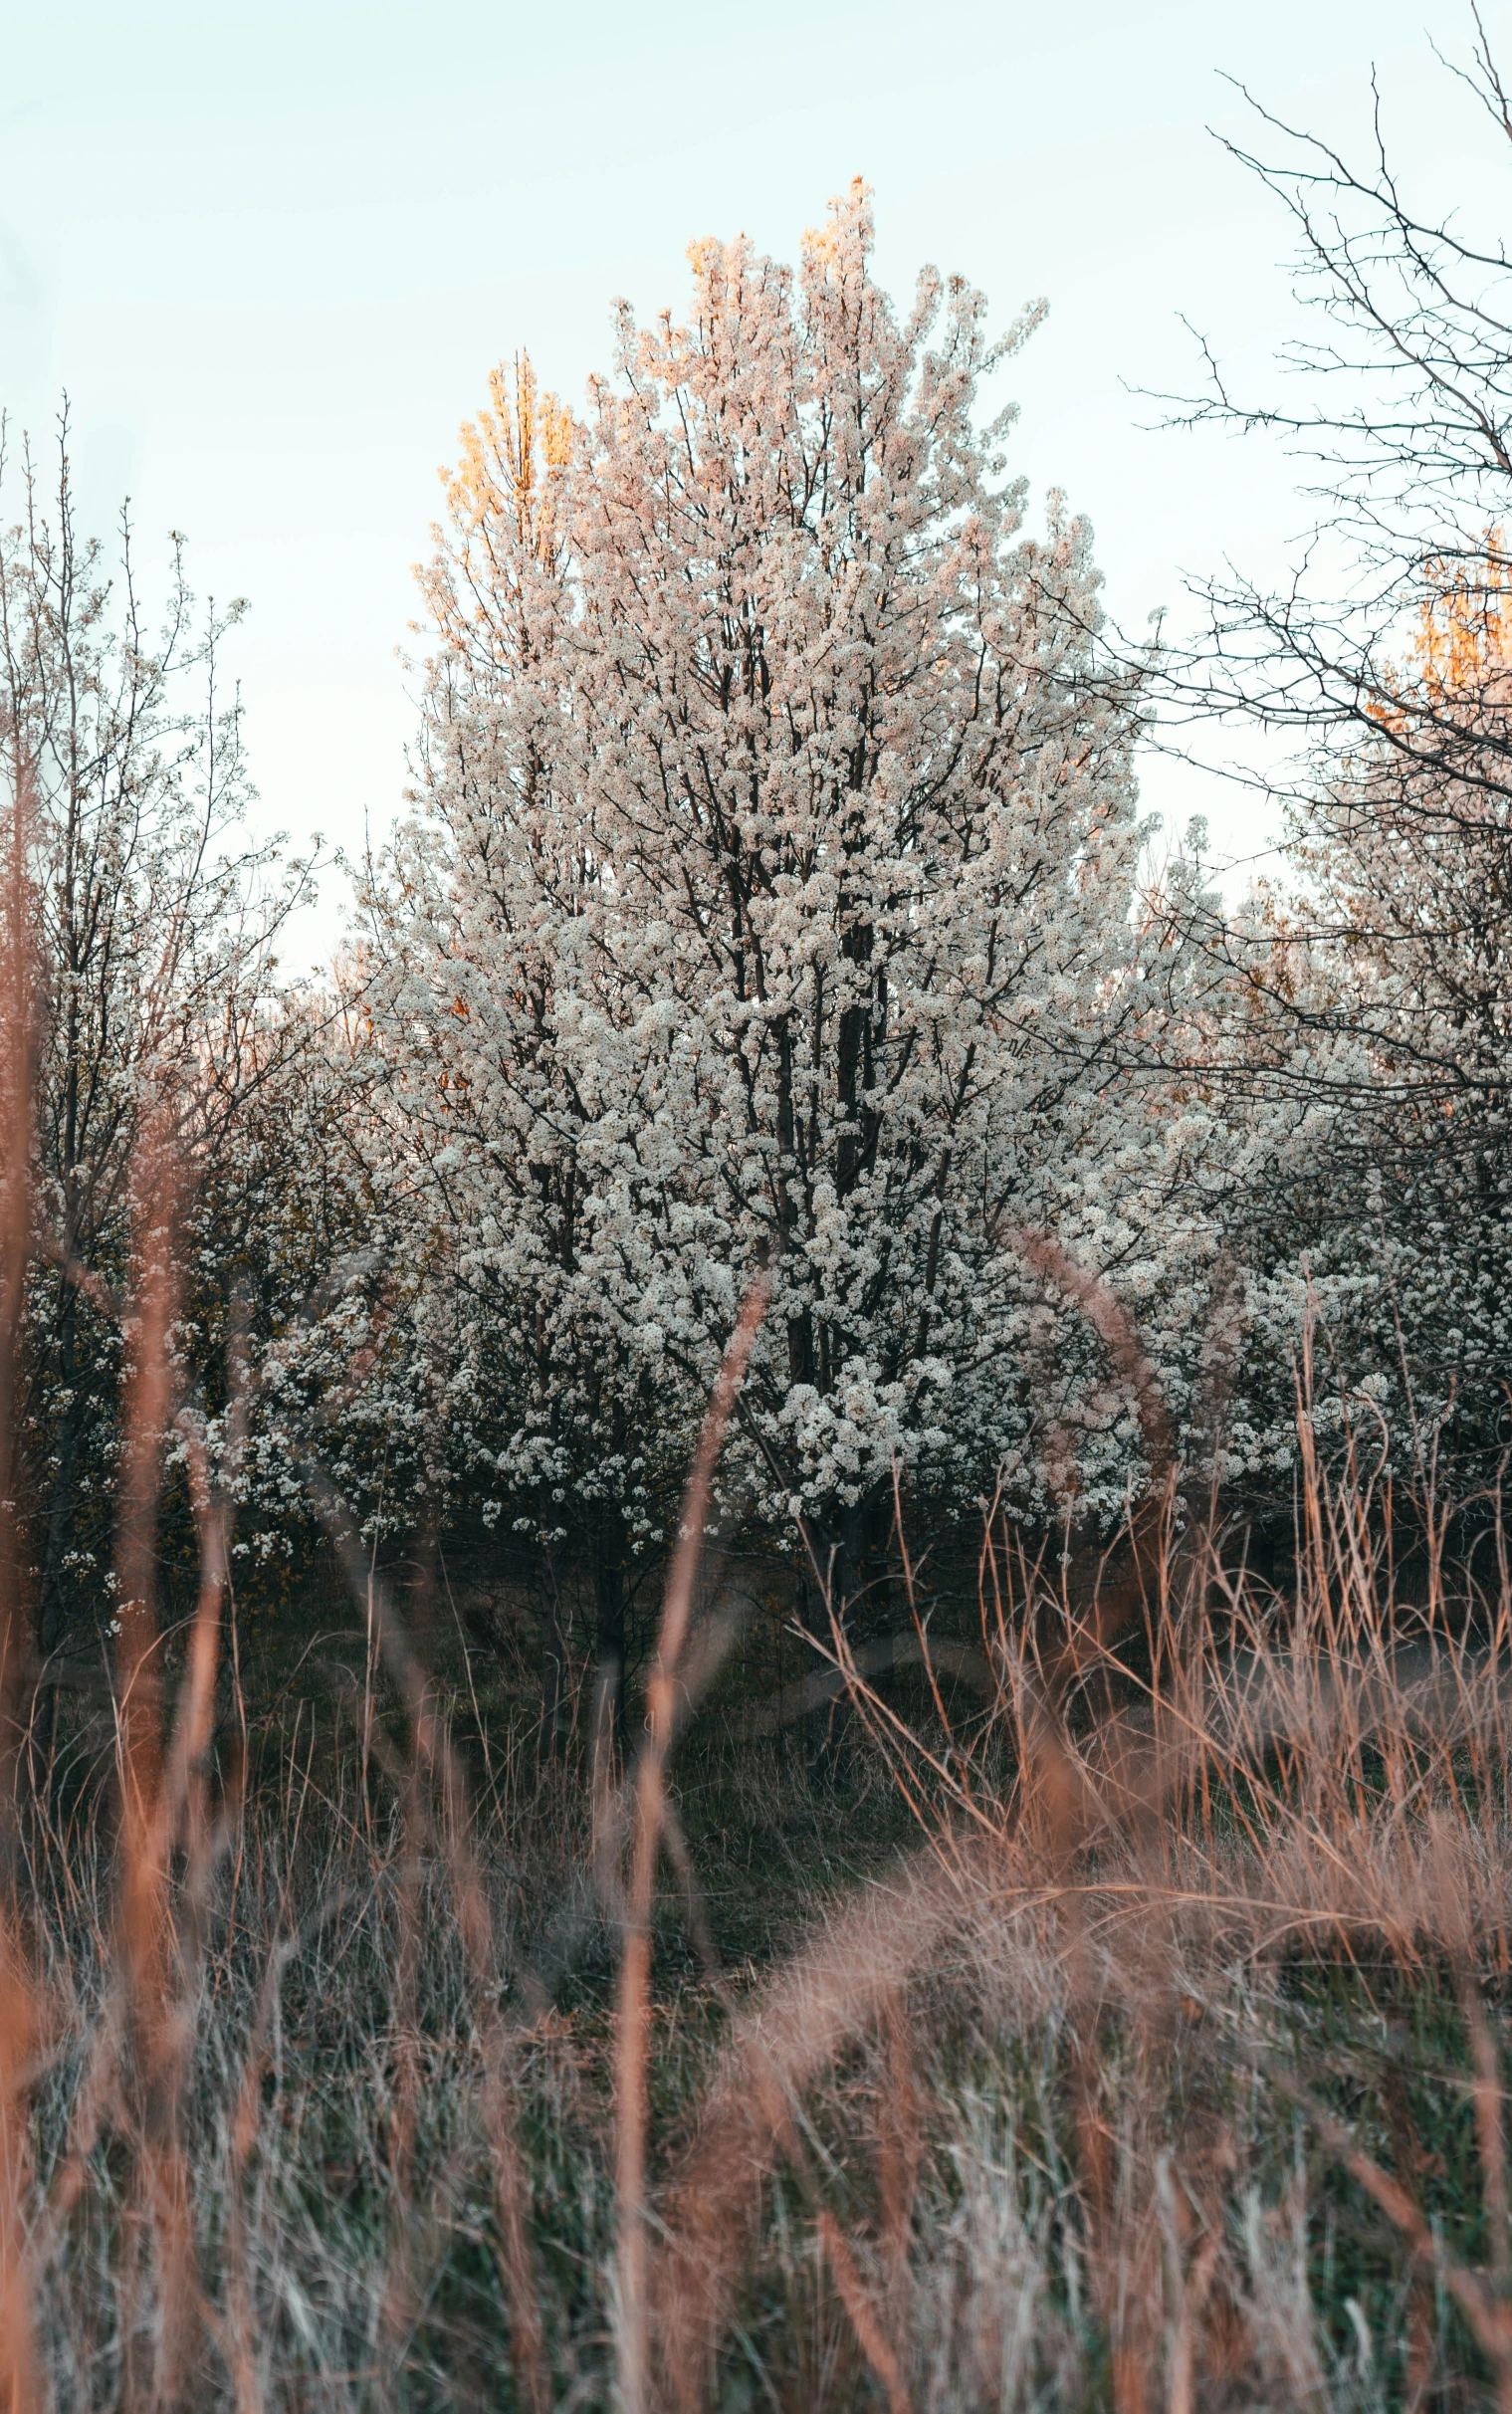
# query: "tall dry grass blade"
18,1056
1188,2291
900,2150
633,2006
18,1045
162,2216
183,1811
1112,1324
18,2370
862,2315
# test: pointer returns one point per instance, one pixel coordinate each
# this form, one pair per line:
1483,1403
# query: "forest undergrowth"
1115,2020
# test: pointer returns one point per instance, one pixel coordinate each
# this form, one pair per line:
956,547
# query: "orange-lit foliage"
1465,624
1462,643
512,457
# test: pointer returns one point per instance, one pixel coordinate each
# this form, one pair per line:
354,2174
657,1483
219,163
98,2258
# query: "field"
1113,2023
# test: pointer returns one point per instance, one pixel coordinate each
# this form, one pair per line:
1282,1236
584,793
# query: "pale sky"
272,250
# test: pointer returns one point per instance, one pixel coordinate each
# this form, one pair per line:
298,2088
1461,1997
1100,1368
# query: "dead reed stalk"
159,2027
18,1042
633,2008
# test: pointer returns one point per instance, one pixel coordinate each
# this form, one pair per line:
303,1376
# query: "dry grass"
1071,2105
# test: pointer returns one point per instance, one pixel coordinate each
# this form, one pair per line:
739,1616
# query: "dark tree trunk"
846,1550
612,1612
556,1666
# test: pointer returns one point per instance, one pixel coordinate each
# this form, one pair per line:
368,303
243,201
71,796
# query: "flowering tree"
152,936
774,904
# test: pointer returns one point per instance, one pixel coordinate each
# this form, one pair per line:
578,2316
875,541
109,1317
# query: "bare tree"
1380,990
1392,672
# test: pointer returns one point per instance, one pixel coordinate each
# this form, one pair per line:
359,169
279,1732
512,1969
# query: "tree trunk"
556,1666
843,1549
611,1608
